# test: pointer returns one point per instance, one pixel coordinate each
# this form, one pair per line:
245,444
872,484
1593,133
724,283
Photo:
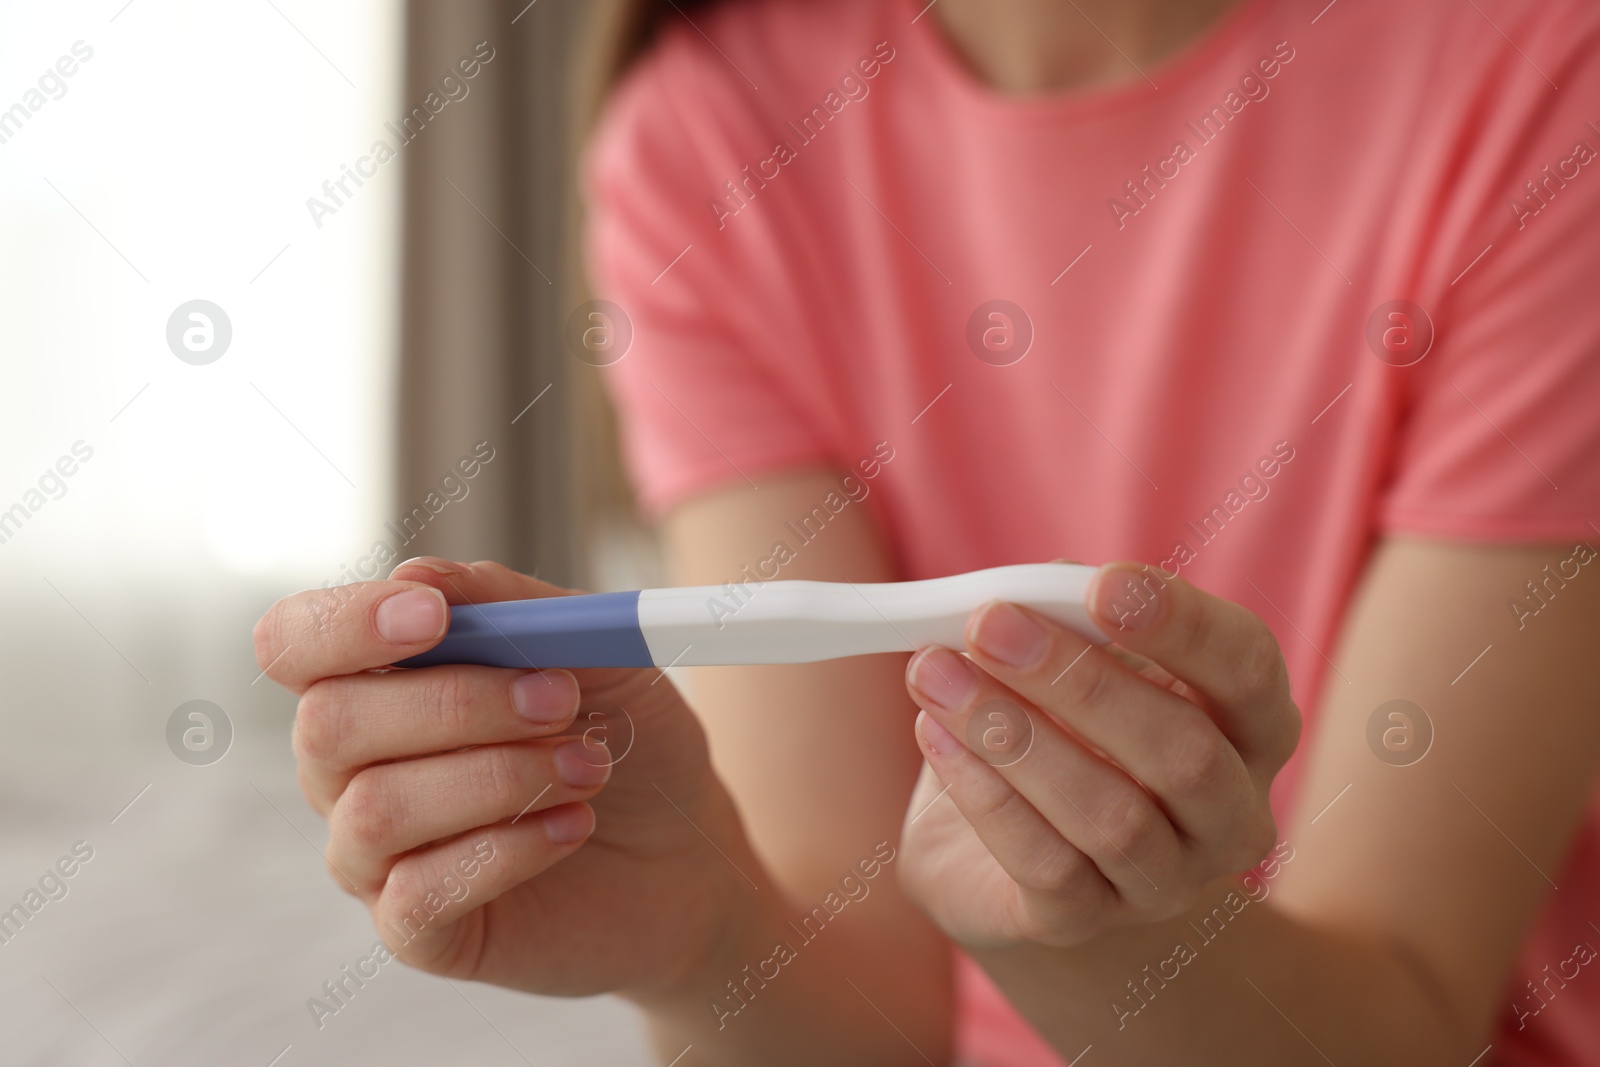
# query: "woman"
1293,304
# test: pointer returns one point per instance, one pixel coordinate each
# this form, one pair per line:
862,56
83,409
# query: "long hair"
614,34
618,32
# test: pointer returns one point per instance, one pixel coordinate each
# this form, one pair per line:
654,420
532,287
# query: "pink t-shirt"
1149,321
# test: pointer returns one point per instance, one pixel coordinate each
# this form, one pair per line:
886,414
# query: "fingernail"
944,677
437,566
1128,597
568,823
545,697
1006,633
412,616
936,737
582,763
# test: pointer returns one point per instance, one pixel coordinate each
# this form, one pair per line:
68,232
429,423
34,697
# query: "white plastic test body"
768,622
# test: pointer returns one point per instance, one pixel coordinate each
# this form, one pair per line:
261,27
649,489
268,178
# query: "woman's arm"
1389,936
821,762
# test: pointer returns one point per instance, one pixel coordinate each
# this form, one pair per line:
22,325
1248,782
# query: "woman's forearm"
1236,980
819,759
869,986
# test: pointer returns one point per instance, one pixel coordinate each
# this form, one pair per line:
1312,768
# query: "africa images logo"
1253,87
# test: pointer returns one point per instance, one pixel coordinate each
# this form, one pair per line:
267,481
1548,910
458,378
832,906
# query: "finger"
1165,742
1221,649
474,583
1061,896
346,722
393,808
320,633
927,792
431,889
1095,806
324,632
1147,668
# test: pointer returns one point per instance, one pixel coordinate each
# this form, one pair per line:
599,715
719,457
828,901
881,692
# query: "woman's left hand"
1094,786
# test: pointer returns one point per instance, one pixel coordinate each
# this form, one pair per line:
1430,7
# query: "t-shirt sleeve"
704,394
1502,437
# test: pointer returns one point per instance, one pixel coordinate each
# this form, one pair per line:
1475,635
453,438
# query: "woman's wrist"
742,924
736,912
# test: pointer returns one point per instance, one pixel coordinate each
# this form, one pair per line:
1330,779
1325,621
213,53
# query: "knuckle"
1268,757
1284,740
995,807
298,620
1127,824
1260,667
1097,685
499,776
315,794
1192,628
1091,679
411,907
365,812
339,878
1139,590
449,693
261,638
1200,762
1257,842
318,725
1055,872
267,637
404,886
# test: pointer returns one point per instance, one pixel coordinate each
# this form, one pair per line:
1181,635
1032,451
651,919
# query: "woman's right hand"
549,831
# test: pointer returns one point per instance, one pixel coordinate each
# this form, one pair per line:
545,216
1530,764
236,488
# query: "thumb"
485,582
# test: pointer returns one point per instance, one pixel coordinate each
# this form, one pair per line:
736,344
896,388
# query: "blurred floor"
205,919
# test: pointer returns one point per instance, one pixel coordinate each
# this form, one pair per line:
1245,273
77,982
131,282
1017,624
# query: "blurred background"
244,352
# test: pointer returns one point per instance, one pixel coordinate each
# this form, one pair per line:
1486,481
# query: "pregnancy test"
768,622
